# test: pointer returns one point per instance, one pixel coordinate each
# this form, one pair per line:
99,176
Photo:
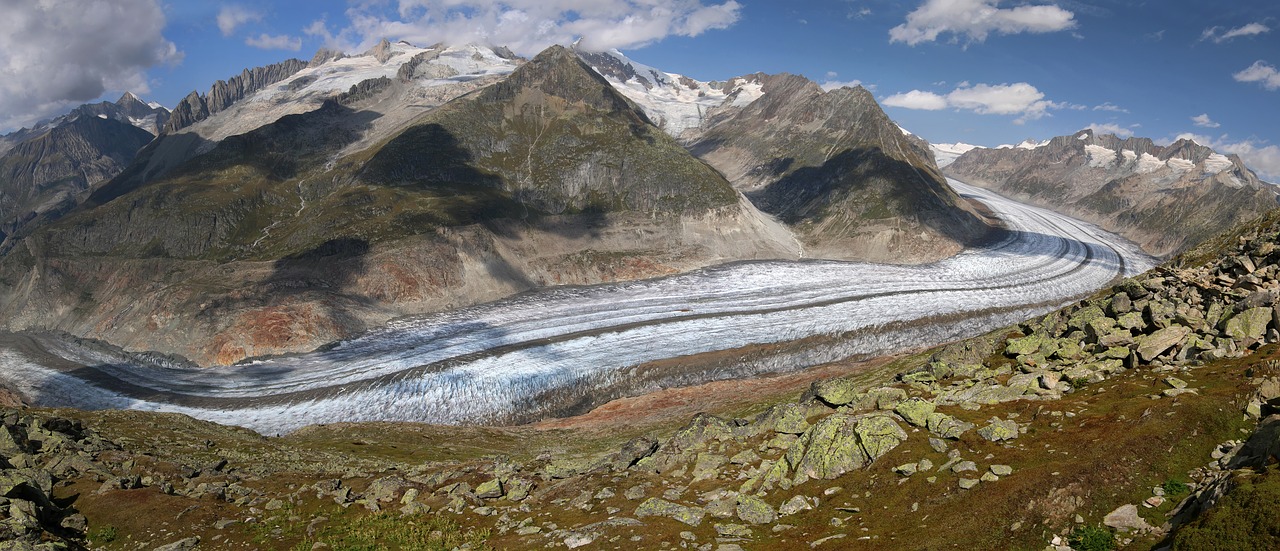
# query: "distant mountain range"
1163,198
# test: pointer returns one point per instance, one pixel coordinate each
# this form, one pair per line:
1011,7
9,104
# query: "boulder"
828,449
491,489
658,507
1249,324
754,510
789,418
633,451
946,426
879,434
1155,344
1030,344
999,429
836,392
1125,519
795,505
915,410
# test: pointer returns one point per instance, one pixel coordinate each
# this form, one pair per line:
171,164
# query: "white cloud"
1108,106
1258,155
830,85
976,19
1260,72
1110,128
528,26
231,17
1020,99
60,53
916,99
1217,36
1204,121
279,42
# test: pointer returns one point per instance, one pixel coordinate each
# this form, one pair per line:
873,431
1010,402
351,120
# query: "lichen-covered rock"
885,398
570,466
708,466
789,418
633,451
703,428
828,449
754,510
490,489
915,410
837,392
1155,344
999,429
1030,344
1249,324
658,507
878,434
1081,318
1133,321
795,505
946,426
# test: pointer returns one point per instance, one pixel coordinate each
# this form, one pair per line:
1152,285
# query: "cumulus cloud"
976,19
917,99
231,17
1204,121
1110,128
55,54
1262,73
528,26
1262,157
1218,36
278,42
1020,99
832,82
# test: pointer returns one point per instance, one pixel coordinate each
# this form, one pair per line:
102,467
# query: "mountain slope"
283,239
833,166
1163,198
41,176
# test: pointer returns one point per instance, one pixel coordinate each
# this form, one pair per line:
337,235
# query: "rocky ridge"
197,107
1163,198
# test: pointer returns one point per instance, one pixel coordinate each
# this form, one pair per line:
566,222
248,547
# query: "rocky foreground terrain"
1119,421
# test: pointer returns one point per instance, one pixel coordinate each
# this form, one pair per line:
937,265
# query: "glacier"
522,358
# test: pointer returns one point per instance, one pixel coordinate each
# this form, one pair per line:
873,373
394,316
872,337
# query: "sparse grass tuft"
387,530
1091,538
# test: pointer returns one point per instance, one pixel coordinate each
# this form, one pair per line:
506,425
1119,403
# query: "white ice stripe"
1050,260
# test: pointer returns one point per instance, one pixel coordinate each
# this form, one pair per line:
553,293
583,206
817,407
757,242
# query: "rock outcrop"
196,107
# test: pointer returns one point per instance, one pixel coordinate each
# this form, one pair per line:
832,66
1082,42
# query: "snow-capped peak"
946,153
674,102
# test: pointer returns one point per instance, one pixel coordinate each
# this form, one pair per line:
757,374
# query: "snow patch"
1149,163
1100,157
1180,165
1217,163
947,153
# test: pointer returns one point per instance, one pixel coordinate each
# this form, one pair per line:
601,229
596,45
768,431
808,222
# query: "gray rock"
999,429
1125,519
186,544
657,507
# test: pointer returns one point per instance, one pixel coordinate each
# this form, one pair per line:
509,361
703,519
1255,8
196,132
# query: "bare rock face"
195,107
1163,198
834,167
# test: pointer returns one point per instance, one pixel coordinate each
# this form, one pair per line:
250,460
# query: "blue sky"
985,72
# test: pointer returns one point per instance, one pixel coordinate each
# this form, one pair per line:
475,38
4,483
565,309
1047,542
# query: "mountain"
44,170
1163,198
829,164
441,177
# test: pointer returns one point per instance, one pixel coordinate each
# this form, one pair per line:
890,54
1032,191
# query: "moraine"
494,363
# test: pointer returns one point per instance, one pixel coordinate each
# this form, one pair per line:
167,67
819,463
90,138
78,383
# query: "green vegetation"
1244,519
390,531
103,535
1091,538
1175,487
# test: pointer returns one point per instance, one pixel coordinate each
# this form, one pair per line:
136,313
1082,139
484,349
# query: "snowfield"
493,363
